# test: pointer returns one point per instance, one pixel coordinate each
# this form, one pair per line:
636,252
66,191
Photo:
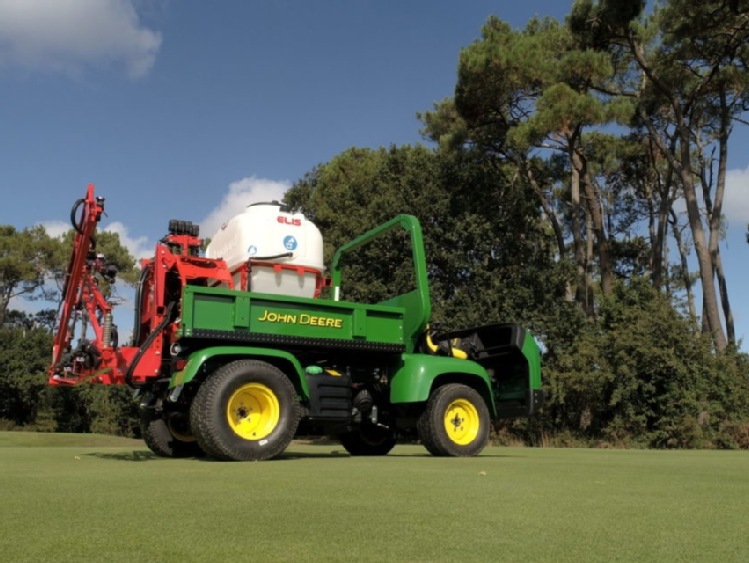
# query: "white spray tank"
270,250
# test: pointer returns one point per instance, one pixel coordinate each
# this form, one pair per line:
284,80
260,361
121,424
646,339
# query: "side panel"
518,377
197,359
413,381
218,313
533,355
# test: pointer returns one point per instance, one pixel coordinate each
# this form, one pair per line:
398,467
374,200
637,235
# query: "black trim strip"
275,339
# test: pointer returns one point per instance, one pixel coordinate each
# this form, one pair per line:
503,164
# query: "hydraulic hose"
147,344
138,302
77,225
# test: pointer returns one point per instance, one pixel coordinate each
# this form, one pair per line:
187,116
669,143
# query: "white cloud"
68,35
55,229
139,247
242,193
239,195
736,204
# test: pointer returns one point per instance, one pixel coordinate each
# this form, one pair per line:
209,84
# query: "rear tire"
246,411
455,422
168,435
368,439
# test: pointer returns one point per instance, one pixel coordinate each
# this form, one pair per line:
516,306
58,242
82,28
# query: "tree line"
33,267
571,184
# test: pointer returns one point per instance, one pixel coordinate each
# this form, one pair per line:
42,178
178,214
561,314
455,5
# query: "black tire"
455,422
245,411
168,435
368,439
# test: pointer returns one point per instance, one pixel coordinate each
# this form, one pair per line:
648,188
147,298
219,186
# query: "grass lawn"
98,498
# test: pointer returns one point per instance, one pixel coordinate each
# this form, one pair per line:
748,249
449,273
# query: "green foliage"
107,244
635,374
91,407
27,401
488,254
380,270
30,259
594,22
25,258
638,375
23,356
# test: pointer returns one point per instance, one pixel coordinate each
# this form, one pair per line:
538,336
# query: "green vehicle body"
382,343
224,370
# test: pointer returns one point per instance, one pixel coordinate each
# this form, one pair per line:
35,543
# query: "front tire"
455,422
246,411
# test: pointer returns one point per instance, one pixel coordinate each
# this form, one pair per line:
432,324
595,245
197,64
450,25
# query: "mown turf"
47,440
99,503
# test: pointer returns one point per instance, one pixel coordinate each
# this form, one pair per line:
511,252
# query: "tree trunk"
683,165
659,260
581,294
715,214
589,262
660,246
686,278
604,255
710,302
723,288
522,163
580,170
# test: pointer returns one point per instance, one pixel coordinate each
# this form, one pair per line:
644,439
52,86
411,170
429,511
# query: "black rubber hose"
77,225
138,303
151,337
79,229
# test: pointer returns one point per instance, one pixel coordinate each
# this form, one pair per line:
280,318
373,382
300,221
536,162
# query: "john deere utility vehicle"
236,352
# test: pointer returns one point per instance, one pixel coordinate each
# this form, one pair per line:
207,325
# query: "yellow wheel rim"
253,411
462,422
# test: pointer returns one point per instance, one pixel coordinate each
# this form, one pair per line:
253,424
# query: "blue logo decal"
290,242
252,250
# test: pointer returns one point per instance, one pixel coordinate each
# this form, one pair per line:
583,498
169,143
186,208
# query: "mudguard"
293,368
414,380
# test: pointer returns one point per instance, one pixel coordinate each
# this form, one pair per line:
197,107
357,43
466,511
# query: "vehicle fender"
532,354
420,373
285,360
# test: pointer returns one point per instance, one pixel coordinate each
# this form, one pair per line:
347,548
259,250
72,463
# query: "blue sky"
190,110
